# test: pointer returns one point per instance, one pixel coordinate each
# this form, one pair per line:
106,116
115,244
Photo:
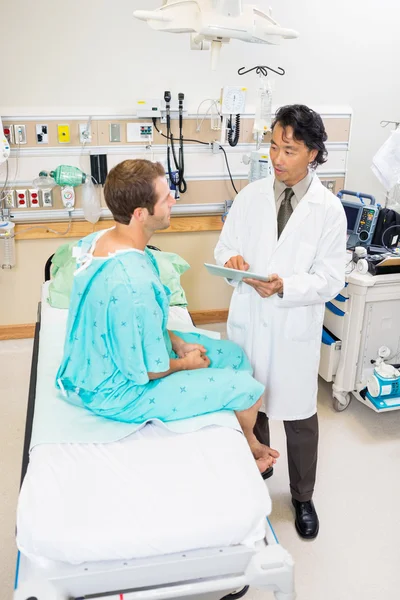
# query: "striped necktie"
285,210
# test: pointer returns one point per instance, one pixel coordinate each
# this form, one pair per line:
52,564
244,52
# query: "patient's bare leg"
265,457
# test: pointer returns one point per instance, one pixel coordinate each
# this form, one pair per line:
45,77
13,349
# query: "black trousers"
302,450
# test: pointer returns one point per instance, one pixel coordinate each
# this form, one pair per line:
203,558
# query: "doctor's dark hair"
130,185
308,127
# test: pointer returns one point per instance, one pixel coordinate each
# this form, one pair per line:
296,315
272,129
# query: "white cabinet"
364,317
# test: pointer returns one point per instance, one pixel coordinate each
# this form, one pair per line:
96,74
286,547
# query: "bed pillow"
63,265
171,267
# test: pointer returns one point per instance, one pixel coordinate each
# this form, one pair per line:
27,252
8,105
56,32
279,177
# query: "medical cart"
363,318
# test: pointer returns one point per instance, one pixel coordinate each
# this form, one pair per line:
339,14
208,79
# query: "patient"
120,361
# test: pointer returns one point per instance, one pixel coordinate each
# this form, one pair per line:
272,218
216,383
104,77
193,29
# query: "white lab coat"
282,336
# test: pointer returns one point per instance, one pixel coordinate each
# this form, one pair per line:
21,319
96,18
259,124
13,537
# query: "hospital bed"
154,516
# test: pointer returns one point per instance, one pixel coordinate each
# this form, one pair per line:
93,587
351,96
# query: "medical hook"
261,70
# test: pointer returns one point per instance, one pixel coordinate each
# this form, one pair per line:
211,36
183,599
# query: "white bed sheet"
154,492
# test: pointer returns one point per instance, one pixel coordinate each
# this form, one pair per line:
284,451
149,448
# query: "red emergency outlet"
21,197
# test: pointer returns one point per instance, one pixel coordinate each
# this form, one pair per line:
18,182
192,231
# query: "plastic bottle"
66,175
7,245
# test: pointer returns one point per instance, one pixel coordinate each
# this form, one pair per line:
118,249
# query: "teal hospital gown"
117,334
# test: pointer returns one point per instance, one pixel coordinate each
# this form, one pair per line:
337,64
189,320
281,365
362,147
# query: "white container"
7,245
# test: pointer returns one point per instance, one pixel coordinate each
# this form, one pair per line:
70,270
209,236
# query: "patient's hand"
238,263
196,360
183,349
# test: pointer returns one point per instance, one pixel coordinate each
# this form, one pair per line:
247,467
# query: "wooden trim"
79,229
209,316
17,332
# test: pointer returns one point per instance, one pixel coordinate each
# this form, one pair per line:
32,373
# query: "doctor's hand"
196,360
266,288
238,263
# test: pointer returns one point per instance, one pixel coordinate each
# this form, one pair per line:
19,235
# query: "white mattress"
155,492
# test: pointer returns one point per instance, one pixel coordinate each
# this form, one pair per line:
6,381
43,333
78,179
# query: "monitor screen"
351,214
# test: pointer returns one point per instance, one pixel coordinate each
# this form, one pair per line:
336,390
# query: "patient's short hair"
130,185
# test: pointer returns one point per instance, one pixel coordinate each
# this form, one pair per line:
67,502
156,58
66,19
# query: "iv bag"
91,201
263,118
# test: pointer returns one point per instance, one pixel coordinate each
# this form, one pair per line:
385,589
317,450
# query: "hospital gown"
117,334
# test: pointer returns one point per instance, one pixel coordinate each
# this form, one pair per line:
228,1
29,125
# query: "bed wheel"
237,595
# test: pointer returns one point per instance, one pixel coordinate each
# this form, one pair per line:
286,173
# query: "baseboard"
27,330
17,332
209,316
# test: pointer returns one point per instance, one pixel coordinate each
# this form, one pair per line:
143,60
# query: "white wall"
93,57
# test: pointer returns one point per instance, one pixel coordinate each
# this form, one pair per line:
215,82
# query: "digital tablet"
233,273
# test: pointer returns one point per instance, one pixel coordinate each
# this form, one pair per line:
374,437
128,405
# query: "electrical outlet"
22,200
33,198
9,133
85,133
64,136
42,134
20,134
331,185
9,199
138,132
47,197
216,147
115,132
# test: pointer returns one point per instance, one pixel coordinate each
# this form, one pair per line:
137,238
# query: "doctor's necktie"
285,210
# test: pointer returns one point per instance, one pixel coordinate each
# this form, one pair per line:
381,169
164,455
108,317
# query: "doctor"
292,229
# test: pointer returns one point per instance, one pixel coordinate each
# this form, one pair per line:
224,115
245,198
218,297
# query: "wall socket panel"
331,184
34,198
22,200
9,133
20,134
85,133
42,134
47,197
115,132
9,199
64,136
139,132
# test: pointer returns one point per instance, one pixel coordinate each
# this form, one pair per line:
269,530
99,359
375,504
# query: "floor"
357,553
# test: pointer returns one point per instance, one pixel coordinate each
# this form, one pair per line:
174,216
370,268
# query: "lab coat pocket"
239,315
301,325
305,254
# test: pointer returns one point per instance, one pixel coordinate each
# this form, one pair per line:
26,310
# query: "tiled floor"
357,554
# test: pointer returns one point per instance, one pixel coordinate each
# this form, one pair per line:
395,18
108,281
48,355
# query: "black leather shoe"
268,473
307,523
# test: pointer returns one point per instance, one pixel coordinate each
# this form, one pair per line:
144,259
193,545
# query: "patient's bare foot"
265,456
